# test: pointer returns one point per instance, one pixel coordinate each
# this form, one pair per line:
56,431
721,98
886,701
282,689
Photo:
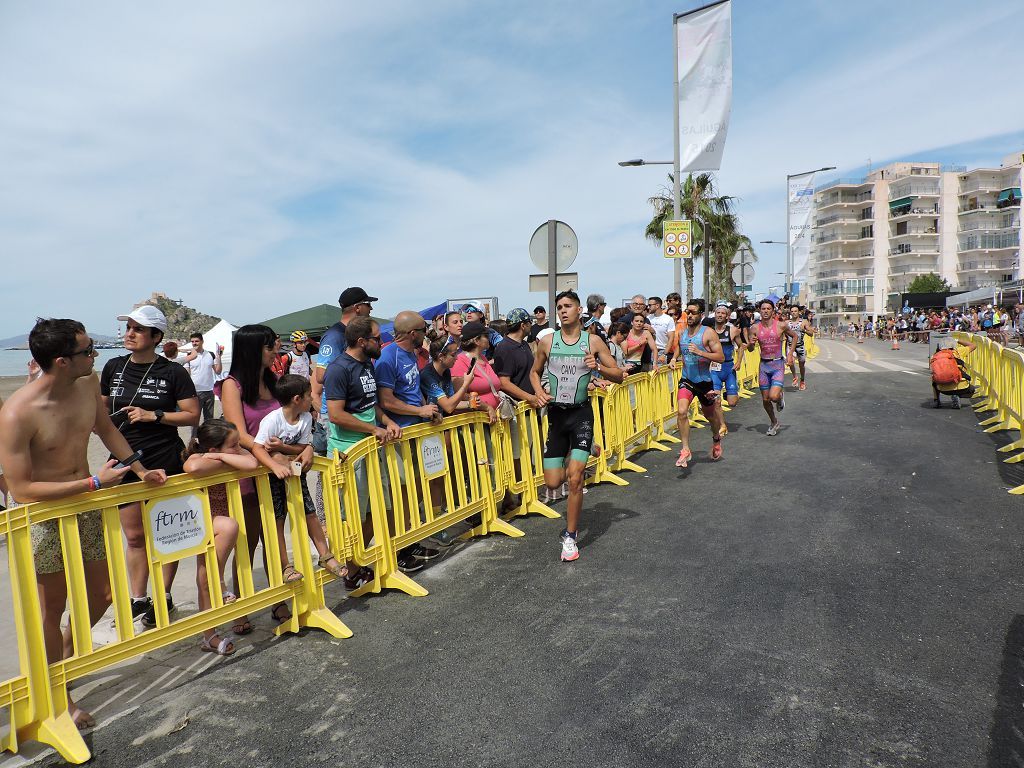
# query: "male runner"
569,357
771,375
800,327
700,348
724,373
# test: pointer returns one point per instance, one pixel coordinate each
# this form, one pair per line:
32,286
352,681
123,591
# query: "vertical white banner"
704,64
801,205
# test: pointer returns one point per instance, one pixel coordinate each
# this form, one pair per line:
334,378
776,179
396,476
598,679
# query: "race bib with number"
569,371
716,366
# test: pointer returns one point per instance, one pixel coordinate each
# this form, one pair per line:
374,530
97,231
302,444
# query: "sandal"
224,648
290,575
242,626
338,570
276,609
228,598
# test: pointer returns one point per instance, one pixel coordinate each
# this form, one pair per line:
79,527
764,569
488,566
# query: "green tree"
711,214
930,283
722,284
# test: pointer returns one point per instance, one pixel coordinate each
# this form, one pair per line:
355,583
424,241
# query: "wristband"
94,483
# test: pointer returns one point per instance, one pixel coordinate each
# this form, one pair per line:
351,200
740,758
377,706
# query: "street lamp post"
677,265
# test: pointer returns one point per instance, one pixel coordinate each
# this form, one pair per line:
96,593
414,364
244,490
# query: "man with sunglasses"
44,444
699,347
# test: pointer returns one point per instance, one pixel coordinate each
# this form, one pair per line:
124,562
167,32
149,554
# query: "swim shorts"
772,373
46,548
570,433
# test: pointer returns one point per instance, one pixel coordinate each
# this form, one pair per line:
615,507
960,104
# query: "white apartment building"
873,236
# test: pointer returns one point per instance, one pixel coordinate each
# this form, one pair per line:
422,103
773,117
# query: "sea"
14,362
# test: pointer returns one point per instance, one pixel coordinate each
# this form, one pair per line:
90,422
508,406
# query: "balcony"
842,198
978,208
1003,266
840,237
913,269
913,190
826,258
916,231
846,273
912,249
990,242
980,185
907,211
973,224
841,183
841,218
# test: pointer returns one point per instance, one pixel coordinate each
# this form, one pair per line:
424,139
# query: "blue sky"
255,158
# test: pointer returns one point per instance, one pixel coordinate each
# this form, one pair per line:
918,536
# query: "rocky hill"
181,320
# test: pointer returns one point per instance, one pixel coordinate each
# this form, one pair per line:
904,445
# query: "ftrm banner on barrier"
704,70
801,203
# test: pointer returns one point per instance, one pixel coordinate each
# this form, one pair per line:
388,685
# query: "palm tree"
711,214
721,273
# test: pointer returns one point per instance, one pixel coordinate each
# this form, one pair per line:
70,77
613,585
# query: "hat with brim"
472,330
147,316
352,296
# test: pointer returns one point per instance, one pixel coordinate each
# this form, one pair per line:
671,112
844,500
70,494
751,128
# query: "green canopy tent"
313,320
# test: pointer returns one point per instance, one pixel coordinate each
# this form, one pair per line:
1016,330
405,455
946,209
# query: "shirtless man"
768,332
44,441
801,328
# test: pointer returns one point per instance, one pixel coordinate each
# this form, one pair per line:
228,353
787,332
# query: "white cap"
147,316
545,332
732,316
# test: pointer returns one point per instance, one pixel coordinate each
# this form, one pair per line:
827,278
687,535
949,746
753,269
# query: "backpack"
282,364
944,368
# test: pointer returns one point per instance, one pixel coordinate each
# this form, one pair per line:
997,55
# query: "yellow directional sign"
677,239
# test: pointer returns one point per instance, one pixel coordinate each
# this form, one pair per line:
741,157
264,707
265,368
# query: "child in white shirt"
284,437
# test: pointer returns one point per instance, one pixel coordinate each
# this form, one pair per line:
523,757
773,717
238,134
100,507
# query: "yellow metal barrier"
37,699
434,477
997,374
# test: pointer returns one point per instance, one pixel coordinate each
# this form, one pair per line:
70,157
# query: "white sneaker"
773,430
570,551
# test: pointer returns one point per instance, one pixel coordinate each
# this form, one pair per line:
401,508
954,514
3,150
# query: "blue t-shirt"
397,370
332,344
434,385
353,381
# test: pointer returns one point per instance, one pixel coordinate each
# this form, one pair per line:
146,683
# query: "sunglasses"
87,352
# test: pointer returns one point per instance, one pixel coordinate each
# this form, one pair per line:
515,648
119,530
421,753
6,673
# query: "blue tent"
772,298
387,331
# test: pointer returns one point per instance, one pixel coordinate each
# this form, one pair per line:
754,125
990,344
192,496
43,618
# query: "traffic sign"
567,246
743,274
677,239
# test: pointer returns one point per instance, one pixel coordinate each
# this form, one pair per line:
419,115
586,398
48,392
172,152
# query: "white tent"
222,333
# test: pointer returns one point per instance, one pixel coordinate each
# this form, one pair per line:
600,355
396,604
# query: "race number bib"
569,371
716,366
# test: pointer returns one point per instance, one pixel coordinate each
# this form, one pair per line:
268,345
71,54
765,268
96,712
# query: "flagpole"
677,264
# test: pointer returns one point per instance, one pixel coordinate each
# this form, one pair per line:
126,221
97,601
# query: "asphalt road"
847,593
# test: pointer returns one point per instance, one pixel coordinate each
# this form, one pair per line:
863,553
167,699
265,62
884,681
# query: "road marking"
853,366
890,366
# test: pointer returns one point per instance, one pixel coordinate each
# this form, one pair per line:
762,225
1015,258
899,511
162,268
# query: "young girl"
215,449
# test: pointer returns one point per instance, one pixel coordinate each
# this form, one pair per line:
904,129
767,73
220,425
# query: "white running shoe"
773,430
570,551
782,401
552,494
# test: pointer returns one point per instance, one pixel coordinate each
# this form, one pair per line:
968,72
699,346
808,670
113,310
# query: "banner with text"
704,61
801,203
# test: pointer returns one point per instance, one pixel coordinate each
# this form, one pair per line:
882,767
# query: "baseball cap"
518,316
722,303
352,296
472,329
147,316
539,308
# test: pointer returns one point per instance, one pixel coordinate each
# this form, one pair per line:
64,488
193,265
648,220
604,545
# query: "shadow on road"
1006,739
599,519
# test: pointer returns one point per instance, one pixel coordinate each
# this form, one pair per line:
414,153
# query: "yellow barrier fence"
378,499
997,374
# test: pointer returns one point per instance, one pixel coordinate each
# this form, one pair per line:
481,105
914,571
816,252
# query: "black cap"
539,308
472,329
352,296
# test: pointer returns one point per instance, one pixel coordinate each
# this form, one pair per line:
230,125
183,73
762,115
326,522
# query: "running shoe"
716,450
773,430
362,576
782,401
141,606
803,385
444,539
423,553
409,564
570,551
149,616
684,457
